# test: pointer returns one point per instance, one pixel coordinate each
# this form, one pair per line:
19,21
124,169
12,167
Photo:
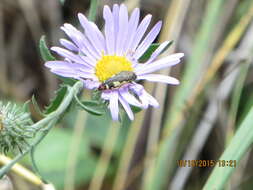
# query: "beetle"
118,80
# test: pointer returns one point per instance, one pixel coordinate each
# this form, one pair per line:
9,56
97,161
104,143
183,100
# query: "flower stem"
50,119
64,105
93,10
7,167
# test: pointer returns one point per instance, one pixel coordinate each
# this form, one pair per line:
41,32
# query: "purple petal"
57,64
140,32
92,34
100,35
69,45
158,51
152,101
114,105
68,65
145,98
71,32
67,54
130,98
90,84
81,41
159,78
159,64
73,73
115,12
109,30
123,27
77,37
127,108
132,26
82,63
69,69
106,95
137,88
65,73
148,40
89,61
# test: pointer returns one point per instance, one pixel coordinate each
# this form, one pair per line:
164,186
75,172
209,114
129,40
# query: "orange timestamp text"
206,163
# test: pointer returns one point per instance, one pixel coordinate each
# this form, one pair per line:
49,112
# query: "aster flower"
96,58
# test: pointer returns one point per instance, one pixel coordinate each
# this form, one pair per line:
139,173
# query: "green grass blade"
239,145
196,60
236,96
93,10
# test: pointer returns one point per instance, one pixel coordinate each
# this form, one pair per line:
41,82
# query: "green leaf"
47,56
25,107
96,95
55,102
92,107
36,106
65,80
151,50
44,51
136,109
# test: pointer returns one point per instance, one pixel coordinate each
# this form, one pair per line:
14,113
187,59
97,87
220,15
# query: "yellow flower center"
110,65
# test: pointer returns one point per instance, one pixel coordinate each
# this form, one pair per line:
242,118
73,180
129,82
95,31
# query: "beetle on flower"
96,58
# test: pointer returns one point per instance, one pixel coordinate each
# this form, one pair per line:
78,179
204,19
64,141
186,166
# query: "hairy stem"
50,119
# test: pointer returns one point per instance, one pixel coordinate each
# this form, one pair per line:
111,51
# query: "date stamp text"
206,163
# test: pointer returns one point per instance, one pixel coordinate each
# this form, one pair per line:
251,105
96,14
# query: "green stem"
7,167
33,146
239,145
63,106
93,10
51,118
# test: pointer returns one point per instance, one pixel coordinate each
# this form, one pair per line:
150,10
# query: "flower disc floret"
110,65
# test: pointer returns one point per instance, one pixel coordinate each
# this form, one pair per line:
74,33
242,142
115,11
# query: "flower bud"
15,128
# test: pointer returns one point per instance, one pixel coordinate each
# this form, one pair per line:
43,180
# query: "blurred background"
196,120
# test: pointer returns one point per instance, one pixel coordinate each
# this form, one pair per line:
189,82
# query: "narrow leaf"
151,50
92,107
25,106
55,102
36,106
44,51
65,80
